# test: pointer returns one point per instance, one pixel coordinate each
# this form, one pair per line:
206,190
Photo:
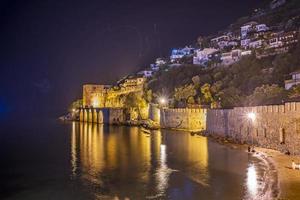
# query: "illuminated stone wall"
276,127
154,113
183,118
94,95
102,116
101,96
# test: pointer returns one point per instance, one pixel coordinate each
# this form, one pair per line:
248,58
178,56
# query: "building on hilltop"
294,81
252,34
177,54
247,28
231,57
245,43
202,57
225,41
160,62
146,73
133,83
279,42
261,28
256,44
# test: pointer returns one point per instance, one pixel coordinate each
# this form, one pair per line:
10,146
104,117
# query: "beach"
289,179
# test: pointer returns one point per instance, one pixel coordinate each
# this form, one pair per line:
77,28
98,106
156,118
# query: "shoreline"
283,181
288,179
271,189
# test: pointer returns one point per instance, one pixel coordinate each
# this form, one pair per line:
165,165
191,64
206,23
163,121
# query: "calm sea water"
54,160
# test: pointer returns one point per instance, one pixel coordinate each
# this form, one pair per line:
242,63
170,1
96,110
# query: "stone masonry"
275,126
183,118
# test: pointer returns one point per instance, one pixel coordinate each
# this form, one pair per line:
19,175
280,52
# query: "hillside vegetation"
250,81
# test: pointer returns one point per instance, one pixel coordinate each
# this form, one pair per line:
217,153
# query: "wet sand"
289,179
287,185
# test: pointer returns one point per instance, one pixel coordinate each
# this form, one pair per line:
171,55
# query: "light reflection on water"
122,162
252,180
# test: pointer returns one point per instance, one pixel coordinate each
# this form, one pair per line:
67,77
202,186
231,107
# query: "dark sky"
48,48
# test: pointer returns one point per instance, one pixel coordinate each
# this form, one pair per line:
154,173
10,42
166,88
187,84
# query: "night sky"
50,48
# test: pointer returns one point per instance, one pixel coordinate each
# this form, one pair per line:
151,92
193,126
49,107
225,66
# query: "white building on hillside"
160,61
231,57
145,73
246,53
256,44
177,54
245,43
203,56
261,27
294,81
247,28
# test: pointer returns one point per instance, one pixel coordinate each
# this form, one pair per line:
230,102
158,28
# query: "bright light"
73,110
251,116
162,100
95,102
252,184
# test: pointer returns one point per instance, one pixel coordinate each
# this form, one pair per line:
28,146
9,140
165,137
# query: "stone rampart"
275,126
183,118
103,115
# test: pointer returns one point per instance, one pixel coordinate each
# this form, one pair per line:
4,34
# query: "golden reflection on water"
73,150
115,157
193,154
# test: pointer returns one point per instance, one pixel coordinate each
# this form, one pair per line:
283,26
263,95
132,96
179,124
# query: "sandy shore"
289,179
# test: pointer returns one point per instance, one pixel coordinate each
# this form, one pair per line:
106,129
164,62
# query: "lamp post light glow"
251,116
162,100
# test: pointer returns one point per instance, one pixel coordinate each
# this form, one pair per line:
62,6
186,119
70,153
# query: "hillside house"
146,73
245,43
294,81
177,54
231,57
247,28
256,44
205,55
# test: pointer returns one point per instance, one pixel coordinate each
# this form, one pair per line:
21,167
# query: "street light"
251,116
162,100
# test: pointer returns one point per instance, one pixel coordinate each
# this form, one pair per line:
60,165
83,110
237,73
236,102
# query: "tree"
294,92
76,104
267,94
148,96
184,93
230,97
206,93
135,102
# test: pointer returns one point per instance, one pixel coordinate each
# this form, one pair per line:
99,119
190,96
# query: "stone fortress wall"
102,115
183,118
275,126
